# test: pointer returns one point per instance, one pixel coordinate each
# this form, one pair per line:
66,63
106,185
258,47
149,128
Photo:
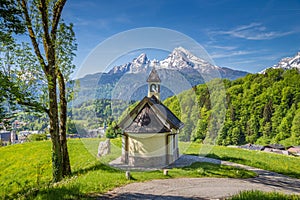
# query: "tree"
2,96
112,130
11,83
200,131
53,45
296,127
10,20
71,127
235,135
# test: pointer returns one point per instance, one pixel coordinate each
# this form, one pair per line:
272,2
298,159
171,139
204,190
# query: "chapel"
150,131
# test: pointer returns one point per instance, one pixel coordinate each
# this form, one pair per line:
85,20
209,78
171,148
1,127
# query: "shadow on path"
135,196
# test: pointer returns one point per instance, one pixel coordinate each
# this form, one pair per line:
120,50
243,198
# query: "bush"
37,137
112,131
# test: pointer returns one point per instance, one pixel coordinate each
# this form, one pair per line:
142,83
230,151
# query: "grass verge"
283,164
259,195
25,171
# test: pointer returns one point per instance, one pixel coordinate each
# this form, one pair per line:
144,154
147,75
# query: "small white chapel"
150,131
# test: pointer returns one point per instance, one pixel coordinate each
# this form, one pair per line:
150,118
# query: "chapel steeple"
154,84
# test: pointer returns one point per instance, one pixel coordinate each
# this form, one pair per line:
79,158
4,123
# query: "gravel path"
204,188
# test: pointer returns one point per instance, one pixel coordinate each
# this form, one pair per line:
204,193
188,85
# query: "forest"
259,108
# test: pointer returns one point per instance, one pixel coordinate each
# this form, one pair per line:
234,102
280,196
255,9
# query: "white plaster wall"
147,145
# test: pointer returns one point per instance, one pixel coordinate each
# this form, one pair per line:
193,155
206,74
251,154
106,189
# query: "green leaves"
260,108
10,20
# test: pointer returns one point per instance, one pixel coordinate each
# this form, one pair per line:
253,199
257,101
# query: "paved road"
205,188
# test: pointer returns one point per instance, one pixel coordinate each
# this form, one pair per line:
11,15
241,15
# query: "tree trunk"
54,130
48,33
66,167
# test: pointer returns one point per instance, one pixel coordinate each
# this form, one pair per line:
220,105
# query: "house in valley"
8,137
294,150
275,148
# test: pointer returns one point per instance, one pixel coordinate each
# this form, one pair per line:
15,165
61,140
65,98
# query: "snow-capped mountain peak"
287,63
141,59
139,64
182,52
179,59
182,59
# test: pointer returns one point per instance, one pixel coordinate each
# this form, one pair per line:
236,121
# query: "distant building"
275,148
294,150
252,147
150,131
8,137
96,133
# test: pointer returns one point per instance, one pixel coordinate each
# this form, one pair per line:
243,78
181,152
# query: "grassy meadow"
283,164
25,171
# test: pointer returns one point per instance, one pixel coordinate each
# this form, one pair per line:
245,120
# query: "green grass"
283,164
25,171
259,195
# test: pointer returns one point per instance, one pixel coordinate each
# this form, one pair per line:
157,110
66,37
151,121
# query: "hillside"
260,108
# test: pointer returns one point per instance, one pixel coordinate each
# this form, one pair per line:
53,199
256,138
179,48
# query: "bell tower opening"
154,84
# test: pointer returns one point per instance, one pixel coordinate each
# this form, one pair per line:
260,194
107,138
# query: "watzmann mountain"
180,61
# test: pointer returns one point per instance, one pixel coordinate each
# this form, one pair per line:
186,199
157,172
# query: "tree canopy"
260,108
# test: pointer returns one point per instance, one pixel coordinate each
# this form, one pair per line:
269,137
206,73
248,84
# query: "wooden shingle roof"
150,116
153,77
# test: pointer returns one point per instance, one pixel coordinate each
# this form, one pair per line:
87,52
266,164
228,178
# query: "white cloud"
100,23
253,31
231,54
227,48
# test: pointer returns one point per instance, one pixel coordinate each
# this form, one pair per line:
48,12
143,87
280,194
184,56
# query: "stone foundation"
158,161
136,161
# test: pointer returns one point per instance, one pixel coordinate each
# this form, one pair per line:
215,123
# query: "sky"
242,35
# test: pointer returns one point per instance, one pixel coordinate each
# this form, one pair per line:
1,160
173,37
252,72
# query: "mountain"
129,80
287,63
179,59
182,59
139,64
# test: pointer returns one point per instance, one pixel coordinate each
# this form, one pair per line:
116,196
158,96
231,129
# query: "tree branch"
58,7
33,105
32,35
44,12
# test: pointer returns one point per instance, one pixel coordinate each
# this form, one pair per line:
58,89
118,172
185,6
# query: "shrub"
37,137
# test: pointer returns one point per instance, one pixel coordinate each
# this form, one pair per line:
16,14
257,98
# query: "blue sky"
244,35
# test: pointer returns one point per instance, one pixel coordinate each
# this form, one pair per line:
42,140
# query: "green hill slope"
260,108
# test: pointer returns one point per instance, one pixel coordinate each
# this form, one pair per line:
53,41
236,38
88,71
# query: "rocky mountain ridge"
179,59
287,63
